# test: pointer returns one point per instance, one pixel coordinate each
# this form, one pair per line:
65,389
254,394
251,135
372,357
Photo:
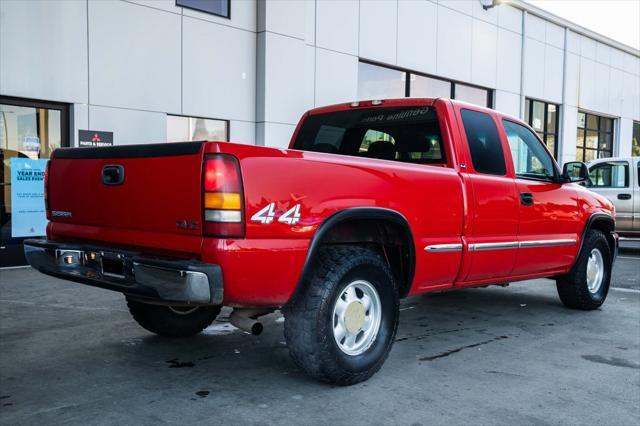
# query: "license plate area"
112,265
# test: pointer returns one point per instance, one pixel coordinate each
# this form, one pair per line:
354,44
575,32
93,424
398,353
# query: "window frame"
599,130
453,83
623,163
545,148
65,114
545,132
228,16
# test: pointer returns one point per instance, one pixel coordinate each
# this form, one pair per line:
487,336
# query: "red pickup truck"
373,202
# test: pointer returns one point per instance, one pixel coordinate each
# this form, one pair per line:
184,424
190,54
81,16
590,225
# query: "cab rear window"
407,134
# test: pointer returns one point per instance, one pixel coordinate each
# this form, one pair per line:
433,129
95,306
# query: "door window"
484,142
609,175
530,159
29,132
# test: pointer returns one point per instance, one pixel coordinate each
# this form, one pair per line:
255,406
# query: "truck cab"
618,179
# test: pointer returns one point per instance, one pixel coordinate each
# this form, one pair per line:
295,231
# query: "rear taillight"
46,190
222,197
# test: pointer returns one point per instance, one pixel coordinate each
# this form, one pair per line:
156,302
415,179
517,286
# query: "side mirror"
575,171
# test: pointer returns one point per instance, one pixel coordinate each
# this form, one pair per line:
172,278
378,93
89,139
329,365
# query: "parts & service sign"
28,217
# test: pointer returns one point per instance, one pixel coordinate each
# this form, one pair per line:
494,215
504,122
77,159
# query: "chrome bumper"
157,279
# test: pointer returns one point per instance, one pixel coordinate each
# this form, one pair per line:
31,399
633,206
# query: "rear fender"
360,214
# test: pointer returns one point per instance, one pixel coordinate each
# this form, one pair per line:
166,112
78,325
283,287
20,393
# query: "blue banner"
28,217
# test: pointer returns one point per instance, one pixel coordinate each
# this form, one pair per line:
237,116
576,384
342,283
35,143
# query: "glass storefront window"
379,82
470,94
635,140
375,82
186,129
427,87
29,132
594,138
543,118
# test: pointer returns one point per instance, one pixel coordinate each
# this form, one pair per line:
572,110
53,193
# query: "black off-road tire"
573,288
164,321
308,328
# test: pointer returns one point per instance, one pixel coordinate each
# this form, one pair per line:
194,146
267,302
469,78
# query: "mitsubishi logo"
95,138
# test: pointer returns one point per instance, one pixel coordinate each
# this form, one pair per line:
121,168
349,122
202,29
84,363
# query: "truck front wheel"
341,327
587,284
172,321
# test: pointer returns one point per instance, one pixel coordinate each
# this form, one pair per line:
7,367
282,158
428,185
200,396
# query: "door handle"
624,196
112,175
526,198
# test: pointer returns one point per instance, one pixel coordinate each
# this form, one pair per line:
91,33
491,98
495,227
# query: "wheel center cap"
354,317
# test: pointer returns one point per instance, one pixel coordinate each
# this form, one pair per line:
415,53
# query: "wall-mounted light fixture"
488,4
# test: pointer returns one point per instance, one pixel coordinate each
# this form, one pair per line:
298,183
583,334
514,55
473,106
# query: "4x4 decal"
266,215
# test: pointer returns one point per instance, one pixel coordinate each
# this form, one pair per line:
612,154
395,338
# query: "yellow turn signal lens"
222,200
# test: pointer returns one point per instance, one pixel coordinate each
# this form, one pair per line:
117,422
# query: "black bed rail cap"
131,151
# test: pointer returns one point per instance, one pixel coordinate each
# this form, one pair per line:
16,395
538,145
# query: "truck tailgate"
160,192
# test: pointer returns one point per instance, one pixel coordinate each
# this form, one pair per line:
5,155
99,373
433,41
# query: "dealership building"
78,72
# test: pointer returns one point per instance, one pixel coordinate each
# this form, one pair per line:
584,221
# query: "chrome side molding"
443,248
504,245
493,246
547,243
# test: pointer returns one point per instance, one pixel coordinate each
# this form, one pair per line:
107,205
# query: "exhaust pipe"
245,319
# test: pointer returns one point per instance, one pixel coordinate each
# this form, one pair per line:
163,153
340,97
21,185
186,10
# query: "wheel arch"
357,225
604,223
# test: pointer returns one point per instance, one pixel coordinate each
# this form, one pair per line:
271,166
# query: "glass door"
29,132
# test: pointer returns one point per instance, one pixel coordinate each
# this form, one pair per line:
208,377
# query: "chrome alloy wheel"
595,271
357,314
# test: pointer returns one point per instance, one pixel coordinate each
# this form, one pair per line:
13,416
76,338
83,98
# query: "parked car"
618,179
372,202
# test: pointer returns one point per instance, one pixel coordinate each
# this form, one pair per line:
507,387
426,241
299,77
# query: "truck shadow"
468,318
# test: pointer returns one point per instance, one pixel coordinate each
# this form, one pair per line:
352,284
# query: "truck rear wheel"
587,284
172,321
341,327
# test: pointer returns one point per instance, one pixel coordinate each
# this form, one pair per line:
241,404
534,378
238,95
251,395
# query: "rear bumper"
156,279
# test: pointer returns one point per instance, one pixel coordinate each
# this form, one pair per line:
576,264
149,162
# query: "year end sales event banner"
28,217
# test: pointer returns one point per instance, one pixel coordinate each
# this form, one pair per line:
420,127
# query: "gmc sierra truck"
373,202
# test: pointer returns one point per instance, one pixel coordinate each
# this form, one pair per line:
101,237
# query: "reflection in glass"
376,82
592,122
635,141
551,118
537,121
473,95
29,132
551,143
25,132
592,139
426,87
185,129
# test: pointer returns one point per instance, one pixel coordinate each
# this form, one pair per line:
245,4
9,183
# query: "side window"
530,159
484,142
609,175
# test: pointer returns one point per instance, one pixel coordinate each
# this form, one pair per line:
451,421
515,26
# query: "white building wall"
124,65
